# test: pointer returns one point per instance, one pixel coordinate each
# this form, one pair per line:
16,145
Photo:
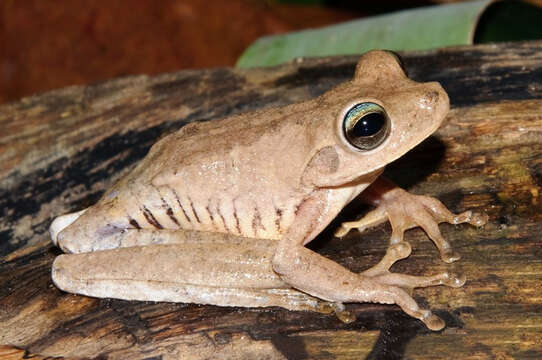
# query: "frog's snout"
435,99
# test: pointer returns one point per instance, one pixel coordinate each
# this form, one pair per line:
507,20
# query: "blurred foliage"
413,29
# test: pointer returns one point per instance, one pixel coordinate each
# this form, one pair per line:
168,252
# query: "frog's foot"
406,211
402,285
384,290
399,287
400,251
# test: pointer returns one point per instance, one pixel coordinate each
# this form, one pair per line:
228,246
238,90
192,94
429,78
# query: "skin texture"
219,212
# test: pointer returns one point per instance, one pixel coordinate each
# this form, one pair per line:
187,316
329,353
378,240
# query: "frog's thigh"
120,238
219,274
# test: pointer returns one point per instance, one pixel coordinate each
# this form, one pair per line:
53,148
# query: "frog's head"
375,118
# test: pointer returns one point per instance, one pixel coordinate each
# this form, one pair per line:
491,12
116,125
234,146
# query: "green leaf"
415,29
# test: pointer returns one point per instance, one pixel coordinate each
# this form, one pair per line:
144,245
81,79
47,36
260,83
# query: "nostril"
437,95
432,97
429,99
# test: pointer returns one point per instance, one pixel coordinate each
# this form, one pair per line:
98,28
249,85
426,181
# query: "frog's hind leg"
205,273
115,238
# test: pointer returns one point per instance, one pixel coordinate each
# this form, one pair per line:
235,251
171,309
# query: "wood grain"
59,151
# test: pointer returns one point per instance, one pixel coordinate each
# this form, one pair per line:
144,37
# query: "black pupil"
369,125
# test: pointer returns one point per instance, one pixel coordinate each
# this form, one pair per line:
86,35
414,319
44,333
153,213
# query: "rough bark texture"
59,151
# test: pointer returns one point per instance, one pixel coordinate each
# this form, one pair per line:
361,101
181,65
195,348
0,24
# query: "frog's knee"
62,222
284,261
66,240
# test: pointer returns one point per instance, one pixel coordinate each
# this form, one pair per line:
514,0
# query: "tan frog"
220,212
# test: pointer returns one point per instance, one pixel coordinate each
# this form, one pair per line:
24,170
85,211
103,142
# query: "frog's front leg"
406,211
321,277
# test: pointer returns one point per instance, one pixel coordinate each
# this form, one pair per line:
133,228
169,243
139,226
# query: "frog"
220,212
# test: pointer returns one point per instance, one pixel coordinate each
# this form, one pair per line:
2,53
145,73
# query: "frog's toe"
394,253
409,305
473,218
432,321
342,314
400,250
449,256
409,282
479,219
341,231
454,280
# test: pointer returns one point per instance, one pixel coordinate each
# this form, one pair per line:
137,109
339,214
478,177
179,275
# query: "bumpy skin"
219,212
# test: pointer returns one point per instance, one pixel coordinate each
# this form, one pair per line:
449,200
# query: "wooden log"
59,151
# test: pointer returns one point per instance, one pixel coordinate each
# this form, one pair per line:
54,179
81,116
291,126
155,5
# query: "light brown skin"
219,212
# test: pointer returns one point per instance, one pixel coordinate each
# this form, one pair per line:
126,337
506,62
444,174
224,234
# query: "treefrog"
220,212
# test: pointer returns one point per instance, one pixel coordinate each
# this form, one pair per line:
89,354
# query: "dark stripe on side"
237,224
180,205
278,213
169,212
298,206
150,218
194,210
134,223
210,215
222,217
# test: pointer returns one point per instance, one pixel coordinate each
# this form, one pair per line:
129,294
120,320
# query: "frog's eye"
366,125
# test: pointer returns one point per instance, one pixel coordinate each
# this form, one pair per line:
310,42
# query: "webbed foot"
406,211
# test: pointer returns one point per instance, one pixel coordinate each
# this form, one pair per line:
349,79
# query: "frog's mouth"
366,178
